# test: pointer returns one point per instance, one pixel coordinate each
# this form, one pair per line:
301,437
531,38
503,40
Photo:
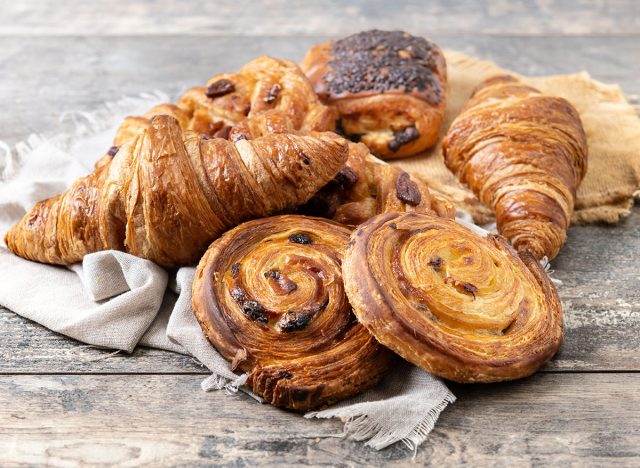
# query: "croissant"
366,186
267,95
388,87
462,306
269,296
165,195
524,155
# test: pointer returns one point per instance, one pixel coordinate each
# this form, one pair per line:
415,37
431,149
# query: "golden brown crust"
461,306
524,155
366,186
267,95
269,296
388,87
165,195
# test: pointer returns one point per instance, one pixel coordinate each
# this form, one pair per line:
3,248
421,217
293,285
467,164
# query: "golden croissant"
267,95
269,296
464,307
166,194
388,87
524,155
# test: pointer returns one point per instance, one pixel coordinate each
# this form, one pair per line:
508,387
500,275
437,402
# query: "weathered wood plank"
601,301
551,419
114,17
46,76
28,347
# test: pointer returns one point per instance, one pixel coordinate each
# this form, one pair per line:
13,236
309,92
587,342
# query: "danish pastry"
269,296
462,306
388,87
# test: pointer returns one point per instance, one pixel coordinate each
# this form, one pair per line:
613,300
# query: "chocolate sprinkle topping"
381,61
220,88
407,190
403,137
235,270
113,151
272,94
300,238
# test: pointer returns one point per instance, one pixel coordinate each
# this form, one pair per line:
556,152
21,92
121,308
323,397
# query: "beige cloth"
610,122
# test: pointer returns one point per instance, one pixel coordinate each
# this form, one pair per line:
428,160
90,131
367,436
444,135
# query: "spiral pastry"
269,296
462,306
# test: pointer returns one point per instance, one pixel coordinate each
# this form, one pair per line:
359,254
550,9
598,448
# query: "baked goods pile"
319,264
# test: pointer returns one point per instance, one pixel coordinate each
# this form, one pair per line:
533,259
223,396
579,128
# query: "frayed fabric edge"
81,124
362,427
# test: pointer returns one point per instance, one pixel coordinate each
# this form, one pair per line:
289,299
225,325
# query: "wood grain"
273,17
43,77
150,420
148,409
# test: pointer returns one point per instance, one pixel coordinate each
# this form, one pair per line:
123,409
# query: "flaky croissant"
462,306
165,195
524,155
267,95
269,296
388,87
366,186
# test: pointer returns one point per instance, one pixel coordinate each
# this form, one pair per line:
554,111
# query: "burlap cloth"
610,122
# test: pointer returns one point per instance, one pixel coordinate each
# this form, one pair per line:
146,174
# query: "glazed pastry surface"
269,296
524,155
166,194
461,306
366,186
388,87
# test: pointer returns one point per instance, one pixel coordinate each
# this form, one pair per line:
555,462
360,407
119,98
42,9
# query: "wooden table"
65,404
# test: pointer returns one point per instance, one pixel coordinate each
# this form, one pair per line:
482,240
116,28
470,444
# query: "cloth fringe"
363,427
77,124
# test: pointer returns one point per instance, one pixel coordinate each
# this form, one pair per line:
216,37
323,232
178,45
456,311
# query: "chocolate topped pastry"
389,88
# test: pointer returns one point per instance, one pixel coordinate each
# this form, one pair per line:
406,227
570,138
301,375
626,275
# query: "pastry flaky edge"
523,154
463,323
388,87
269,296
166,194
366,186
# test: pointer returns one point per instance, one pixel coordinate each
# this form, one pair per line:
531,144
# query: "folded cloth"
115,300
118,301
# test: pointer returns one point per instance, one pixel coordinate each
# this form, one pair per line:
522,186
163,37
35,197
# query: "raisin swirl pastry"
388,87
366,186
524,155
166,194
269,296
464,307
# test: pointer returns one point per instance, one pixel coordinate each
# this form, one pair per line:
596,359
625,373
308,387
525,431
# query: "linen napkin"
118,301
